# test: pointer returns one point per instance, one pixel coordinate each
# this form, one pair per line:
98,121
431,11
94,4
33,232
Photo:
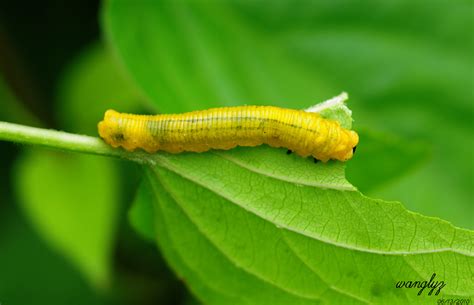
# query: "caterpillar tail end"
345,151
353,141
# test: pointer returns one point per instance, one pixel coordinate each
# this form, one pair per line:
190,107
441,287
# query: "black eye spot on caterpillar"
305,133
118,137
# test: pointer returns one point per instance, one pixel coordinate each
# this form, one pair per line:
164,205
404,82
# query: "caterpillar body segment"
305,133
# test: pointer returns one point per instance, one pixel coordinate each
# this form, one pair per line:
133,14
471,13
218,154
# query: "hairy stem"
64,141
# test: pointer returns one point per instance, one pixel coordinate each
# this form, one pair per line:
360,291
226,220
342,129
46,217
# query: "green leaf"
406,67
284,234
276,240
72,202
335,109
95,82
27,262
255,226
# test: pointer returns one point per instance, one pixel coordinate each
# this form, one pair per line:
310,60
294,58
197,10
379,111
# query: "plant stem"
64,141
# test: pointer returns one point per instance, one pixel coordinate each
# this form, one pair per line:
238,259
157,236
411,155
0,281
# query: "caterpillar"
305,133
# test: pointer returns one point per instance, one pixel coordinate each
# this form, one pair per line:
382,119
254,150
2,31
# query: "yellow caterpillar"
305,133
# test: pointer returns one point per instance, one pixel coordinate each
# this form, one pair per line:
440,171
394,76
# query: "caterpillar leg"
354,149
315,160
289,152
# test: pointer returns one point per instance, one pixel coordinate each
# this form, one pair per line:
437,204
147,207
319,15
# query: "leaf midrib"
283,289
162,161
260,277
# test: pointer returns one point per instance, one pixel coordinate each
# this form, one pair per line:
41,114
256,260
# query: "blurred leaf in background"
406,65
399,156
92,84
74,200
29,269
11,110
31,272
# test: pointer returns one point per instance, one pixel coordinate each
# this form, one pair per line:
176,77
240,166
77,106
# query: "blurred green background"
64,231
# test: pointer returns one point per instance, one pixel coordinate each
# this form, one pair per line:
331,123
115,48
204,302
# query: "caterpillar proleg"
305,133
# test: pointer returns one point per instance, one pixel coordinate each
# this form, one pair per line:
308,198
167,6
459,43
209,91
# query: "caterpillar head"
110,129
